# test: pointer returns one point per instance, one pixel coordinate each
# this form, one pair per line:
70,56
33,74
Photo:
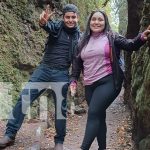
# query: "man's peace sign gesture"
45,16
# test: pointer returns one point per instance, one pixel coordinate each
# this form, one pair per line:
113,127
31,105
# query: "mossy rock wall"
141,86
22,41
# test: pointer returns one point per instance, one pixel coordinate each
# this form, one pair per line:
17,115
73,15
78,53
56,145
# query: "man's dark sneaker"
58,146
6,141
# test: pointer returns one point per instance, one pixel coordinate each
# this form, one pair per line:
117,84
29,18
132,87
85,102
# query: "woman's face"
97,23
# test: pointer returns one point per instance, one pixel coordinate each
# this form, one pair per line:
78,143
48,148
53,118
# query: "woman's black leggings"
99,96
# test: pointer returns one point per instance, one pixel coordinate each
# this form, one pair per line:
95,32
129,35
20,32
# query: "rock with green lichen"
141,88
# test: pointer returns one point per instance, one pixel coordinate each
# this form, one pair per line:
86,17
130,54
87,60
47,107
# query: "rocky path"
118,134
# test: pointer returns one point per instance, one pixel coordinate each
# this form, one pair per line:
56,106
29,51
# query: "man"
53,71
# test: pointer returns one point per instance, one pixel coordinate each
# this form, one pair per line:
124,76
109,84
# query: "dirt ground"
118,132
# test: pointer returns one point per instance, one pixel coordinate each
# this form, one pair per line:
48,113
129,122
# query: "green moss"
140,93
22,41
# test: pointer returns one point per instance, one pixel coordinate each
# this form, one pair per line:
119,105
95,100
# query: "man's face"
70,19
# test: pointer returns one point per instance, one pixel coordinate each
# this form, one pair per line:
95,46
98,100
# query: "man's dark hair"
70,8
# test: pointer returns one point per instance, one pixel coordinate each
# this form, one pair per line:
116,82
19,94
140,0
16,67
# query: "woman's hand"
45,16
146,33
73,88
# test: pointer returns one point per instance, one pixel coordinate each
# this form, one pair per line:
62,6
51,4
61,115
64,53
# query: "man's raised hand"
45,16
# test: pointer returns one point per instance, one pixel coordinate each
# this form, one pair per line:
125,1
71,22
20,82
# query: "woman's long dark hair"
86,35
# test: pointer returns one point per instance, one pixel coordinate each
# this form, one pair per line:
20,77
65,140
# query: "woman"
98,58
